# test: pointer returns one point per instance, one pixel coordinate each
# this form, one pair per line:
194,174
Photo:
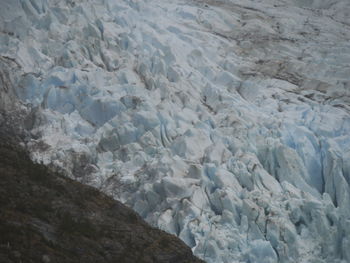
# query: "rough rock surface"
45,217
224,122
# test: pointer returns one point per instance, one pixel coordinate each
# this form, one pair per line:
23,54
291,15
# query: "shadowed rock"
45,217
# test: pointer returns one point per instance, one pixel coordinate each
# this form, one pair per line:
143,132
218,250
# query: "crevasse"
223,122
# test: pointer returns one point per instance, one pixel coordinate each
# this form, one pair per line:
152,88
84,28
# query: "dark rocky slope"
45,217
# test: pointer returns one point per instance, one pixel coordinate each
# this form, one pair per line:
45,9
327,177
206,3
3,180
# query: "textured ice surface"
226,123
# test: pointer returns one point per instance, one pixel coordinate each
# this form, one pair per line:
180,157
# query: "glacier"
223,122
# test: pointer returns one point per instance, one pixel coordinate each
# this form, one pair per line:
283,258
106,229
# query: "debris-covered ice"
226,123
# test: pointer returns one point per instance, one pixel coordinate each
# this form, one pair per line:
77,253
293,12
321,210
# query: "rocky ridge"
46,217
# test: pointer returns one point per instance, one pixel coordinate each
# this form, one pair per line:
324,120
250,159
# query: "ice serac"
226,123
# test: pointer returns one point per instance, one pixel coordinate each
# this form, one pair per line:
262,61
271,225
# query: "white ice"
226,123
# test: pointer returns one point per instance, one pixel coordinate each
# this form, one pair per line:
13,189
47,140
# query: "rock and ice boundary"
224,122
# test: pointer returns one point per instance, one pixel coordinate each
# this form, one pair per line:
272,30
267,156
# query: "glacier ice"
222,122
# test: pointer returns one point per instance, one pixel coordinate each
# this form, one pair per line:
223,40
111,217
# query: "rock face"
226,122
46,218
